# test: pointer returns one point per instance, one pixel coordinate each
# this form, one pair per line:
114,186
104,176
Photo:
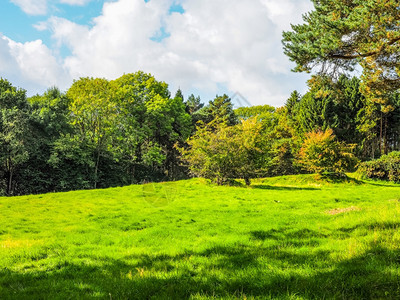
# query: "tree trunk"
385,139
96,169
133,174
381,134
9,184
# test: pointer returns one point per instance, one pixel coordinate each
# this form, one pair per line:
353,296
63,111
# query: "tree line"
102,133
97,134
330,129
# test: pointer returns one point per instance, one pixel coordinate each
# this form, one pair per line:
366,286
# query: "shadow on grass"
280,270
383,184
281,234
227,272
372,226
283,188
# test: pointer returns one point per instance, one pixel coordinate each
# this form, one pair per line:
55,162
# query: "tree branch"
363,55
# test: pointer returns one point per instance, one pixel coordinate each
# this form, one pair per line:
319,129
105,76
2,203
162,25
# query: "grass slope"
292,237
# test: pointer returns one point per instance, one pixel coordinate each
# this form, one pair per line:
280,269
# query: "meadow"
290,237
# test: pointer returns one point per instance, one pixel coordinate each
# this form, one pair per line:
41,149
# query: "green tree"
342,34
94,116
292,102
282,131
339,35
15,133
151,123
193,104
220,152
179,94
14,151
221,110
50,120
260,111
341,106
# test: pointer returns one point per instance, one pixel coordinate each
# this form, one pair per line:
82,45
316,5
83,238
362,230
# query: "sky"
204,47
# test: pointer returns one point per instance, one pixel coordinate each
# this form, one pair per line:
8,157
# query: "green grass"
291,237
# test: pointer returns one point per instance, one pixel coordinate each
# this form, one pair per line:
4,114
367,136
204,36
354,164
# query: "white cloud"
40,7
75,2
213,46
286,12
30,65
32,7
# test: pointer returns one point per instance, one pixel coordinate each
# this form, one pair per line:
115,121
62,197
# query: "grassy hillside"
292,237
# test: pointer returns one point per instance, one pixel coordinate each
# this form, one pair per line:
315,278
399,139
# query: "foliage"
341,34
285,142
222,152
253,111
193,104
14,134
112,133
94,116
151,123
387,167
340,106
13,144
321,153
219,110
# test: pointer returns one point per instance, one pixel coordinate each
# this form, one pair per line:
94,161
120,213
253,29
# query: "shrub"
387,167
322,153
222,152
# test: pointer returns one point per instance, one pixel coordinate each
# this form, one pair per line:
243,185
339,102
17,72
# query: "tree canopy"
341,34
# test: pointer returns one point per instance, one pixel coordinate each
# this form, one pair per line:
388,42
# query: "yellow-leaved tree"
322,153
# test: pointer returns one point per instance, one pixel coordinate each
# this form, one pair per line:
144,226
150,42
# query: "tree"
321,153
49,121
221,110
179,94
220,152
292,102
14,152
285,140
94,116
151,123
260,111
193,104
14,132
338,35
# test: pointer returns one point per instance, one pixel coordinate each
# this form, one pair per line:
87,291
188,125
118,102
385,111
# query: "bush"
387,167
322,153
223,153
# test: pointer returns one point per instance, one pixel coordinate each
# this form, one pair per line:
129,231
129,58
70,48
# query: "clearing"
290,237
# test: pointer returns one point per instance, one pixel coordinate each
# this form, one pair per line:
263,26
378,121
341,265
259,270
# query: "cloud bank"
206,47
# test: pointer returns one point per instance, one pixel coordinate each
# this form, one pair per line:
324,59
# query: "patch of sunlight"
13,244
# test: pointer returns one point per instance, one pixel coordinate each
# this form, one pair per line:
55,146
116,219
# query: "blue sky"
18,25
205,47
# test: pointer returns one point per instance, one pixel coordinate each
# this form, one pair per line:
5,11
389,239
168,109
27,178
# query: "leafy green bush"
387,167
322,153
222,153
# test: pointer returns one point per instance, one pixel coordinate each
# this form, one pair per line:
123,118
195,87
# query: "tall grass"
291,237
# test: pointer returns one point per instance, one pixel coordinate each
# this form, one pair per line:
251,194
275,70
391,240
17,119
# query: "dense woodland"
104,133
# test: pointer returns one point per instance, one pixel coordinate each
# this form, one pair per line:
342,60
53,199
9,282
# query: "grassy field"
292,237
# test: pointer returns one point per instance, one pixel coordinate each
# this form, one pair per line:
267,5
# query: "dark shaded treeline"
104,133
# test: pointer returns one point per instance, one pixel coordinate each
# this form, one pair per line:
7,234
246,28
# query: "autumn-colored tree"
322,153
